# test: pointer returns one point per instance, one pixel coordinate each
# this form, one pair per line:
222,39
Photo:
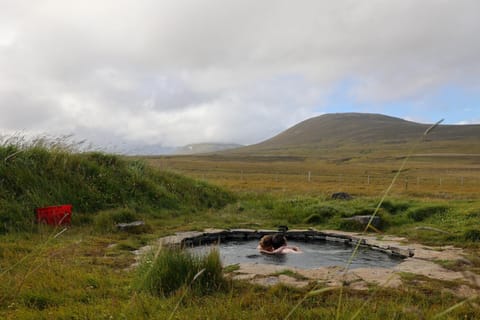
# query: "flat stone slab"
329,276
428,269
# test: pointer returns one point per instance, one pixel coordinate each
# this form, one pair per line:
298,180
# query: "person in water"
265,245
276,244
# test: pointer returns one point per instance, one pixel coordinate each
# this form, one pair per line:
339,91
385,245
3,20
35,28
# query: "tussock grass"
167,270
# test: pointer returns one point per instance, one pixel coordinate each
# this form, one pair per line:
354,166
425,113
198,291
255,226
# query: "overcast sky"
178,72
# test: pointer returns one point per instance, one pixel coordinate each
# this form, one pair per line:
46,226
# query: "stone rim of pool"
419,259
209,236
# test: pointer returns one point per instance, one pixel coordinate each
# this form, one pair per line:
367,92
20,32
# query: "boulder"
341,196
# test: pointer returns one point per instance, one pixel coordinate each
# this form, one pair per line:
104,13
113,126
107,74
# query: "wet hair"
278,241
266,242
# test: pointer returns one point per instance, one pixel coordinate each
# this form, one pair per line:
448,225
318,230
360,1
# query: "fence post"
309,176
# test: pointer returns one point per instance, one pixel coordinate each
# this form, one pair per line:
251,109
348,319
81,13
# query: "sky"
128,73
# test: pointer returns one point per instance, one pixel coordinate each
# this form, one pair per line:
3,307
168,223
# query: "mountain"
205,148
342,133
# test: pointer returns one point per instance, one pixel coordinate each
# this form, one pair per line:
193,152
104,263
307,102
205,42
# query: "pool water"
315,254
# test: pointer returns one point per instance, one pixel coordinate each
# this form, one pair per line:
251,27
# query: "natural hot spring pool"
315,254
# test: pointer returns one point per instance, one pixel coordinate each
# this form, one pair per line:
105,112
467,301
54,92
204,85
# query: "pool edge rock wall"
418,259
209,236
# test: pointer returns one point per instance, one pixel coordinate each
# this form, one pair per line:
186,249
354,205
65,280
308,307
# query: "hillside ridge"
357,131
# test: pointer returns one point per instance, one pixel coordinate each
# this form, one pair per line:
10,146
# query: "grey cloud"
177,72
25,113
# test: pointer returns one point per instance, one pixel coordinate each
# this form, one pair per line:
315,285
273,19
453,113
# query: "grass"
41,175
84,276
85,272
363,175
164,271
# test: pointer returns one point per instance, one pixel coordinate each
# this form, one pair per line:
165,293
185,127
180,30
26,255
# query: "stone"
242,234
135,226
379,276
244,277
292,282
266,282
341,196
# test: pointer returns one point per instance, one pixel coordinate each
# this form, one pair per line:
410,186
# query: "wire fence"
449,182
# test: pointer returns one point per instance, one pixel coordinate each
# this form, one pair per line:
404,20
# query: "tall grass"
170,269
37,174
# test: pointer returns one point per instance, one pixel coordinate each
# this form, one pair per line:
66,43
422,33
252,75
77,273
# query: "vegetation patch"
164,272
395,207
351,225
320,214
424,212
105,221
39,175
472,235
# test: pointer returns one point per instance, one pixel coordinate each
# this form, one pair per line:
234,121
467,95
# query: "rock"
379,276
363,220
292,282
242,234
244,277
133,227
266,282
341,196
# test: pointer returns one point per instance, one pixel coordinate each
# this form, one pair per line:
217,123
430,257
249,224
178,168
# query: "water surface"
315,254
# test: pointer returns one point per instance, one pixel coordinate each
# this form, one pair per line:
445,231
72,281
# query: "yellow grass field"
436,176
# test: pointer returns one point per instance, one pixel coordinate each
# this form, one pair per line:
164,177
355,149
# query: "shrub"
314,219
39,300
472,235
105,221
351,225
394,207
320,214
171,269
422,213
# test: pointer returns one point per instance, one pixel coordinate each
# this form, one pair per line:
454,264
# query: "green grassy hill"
332,134
38,176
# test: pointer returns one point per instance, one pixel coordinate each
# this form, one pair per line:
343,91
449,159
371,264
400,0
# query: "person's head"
266,242
278,241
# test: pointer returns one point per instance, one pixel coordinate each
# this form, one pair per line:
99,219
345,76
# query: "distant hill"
205,148
341,133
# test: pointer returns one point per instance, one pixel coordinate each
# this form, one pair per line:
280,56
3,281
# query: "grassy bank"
86,271
41,175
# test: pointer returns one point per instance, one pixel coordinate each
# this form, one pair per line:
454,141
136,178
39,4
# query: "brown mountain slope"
342,133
